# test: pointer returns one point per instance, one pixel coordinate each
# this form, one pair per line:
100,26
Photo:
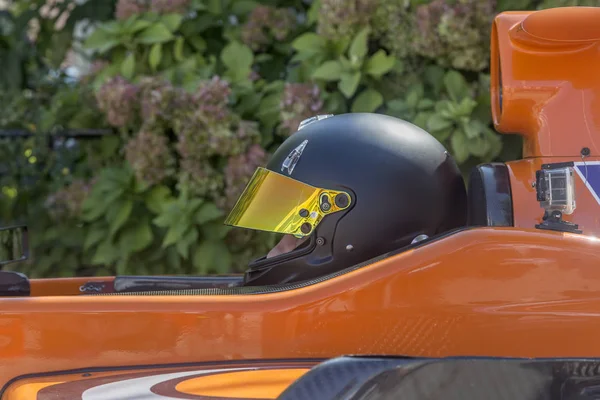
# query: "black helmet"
345,189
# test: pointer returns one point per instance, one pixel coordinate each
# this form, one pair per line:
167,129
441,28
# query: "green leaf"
198,5
214,6
184,244
178,49
106,253
237,56
208,212
135,237
313,12
172,21
95,206
121,216
379,64
358,47
465,107
513,5
100,40
434,76
94,236
425,104
122,265
198,43
157,198
309,42
243,7
155,56
349,83
456,85
473,129
335,103
175,233
397,105
155,33
478,146
443,134
128,66
211,255
438,123
459,146
415,94
368,100
329,71
215,230
139,24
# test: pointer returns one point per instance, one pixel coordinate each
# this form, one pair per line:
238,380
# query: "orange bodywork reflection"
486,291
260,384
547,64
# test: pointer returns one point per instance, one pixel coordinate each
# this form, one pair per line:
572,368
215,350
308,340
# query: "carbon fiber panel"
349,378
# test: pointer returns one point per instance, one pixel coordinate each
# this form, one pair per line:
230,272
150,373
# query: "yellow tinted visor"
276,203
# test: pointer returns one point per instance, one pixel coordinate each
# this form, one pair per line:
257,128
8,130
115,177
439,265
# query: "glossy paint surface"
546,64
488,291
258,380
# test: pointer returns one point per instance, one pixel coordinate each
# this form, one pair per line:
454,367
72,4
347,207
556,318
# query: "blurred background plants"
130,127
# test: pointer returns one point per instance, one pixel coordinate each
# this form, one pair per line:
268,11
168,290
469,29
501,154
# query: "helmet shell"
403,183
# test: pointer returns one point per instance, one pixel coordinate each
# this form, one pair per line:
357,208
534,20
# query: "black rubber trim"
123,284
490,196
247,290
91,370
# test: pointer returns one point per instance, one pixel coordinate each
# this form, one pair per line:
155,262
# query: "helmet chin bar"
307,261
305,248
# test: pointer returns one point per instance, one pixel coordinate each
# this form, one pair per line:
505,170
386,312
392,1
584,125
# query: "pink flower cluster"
127,8
300,101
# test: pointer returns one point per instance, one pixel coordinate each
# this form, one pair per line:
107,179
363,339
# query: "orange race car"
386,257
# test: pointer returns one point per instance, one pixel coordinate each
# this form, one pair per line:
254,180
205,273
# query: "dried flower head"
157,99
149,155
266,24
205,126
127,8
169,6
212,98
118,99
342,19
66,203
393,24
299,101
238,172
455,34
201,178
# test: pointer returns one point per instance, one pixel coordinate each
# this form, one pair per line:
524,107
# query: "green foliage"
197,94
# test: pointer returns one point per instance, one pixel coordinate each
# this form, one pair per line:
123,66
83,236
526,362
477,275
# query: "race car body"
521,279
